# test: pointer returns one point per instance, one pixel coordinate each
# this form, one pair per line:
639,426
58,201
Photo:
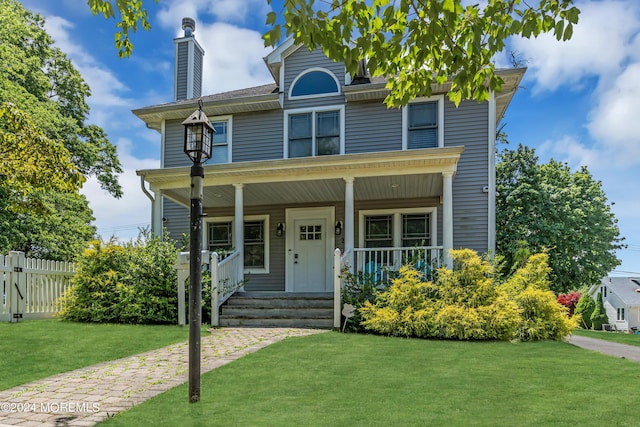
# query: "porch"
231,306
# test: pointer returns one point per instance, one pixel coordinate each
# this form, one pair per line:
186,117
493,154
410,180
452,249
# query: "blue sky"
579,102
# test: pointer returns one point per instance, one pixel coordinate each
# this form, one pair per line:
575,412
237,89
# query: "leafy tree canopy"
39,80
547,207
59,231
413,43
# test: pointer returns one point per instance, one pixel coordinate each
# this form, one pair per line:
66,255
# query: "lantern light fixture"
198,136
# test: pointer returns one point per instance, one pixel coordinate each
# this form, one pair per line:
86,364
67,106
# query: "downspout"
154,228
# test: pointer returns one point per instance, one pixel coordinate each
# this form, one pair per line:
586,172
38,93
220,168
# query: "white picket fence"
31,287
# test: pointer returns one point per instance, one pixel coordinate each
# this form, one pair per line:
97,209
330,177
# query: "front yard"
36,349
347,380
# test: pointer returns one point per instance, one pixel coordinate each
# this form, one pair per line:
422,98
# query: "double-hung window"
221,150
397,229
423,124
256,240
410,228
620,314
314,133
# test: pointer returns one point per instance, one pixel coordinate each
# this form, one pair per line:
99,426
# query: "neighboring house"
315,161
621,298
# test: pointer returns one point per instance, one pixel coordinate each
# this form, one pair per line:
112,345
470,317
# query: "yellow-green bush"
466,303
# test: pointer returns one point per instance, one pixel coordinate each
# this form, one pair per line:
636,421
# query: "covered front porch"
302,209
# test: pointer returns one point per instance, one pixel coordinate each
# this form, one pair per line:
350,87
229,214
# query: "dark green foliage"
599,316
585,307
46,216
356,290
550,208
131,283
60,231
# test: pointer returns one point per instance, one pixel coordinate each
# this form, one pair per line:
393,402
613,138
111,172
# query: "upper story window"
221,152
314,82
318,132
423,123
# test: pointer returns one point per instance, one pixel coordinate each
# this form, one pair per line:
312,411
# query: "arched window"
314,82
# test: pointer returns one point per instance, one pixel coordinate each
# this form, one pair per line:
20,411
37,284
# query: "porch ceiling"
378,176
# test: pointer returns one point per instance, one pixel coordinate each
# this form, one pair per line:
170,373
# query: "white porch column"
349,221
447,217
238,232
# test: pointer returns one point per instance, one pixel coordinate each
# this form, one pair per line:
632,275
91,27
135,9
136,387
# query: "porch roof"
378,176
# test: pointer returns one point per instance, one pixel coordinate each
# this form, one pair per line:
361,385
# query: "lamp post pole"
195,281
198,136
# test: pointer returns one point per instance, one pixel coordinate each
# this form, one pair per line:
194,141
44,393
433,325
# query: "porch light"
280,229
338,228
198,136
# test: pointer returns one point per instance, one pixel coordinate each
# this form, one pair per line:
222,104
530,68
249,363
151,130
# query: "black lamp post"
198,140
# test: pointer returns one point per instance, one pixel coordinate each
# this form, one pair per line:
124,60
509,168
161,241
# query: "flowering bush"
570,300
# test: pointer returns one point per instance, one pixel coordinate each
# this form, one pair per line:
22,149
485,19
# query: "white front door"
309,246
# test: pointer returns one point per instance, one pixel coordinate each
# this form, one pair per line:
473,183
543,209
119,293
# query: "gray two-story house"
315,161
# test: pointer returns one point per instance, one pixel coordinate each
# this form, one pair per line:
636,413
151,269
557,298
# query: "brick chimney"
188,63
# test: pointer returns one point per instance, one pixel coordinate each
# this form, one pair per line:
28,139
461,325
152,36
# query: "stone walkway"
89,395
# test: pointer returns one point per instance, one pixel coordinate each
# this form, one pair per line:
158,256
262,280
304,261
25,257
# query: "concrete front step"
278,309
278,323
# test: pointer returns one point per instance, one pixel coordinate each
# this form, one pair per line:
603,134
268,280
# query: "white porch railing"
31,287
381,264
226,277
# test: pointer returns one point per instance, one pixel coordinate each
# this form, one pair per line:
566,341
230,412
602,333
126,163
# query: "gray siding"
182,59
176,219
257,136
468,126
197,72
174,145
371,126
301,60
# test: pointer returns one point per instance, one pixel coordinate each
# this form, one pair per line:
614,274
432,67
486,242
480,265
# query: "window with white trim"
219,238
221,150
318,132
620,314
423,123
404,228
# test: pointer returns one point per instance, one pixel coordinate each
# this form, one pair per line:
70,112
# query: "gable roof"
266,97
626,288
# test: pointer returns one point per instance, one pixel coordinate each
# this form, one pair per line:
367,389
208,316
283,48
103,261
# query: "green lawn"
337,379
36,349
620,337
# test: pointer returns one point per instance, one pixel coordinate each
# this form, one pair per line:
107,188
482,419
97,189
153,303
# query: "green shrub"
130,283
585,307
543,317
466,303
599,315
357,289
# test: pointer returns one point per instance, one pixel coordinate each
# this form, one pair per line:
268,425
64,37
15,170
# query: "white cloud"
235,11
614,120
600,46
122,217
233,58
570,150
